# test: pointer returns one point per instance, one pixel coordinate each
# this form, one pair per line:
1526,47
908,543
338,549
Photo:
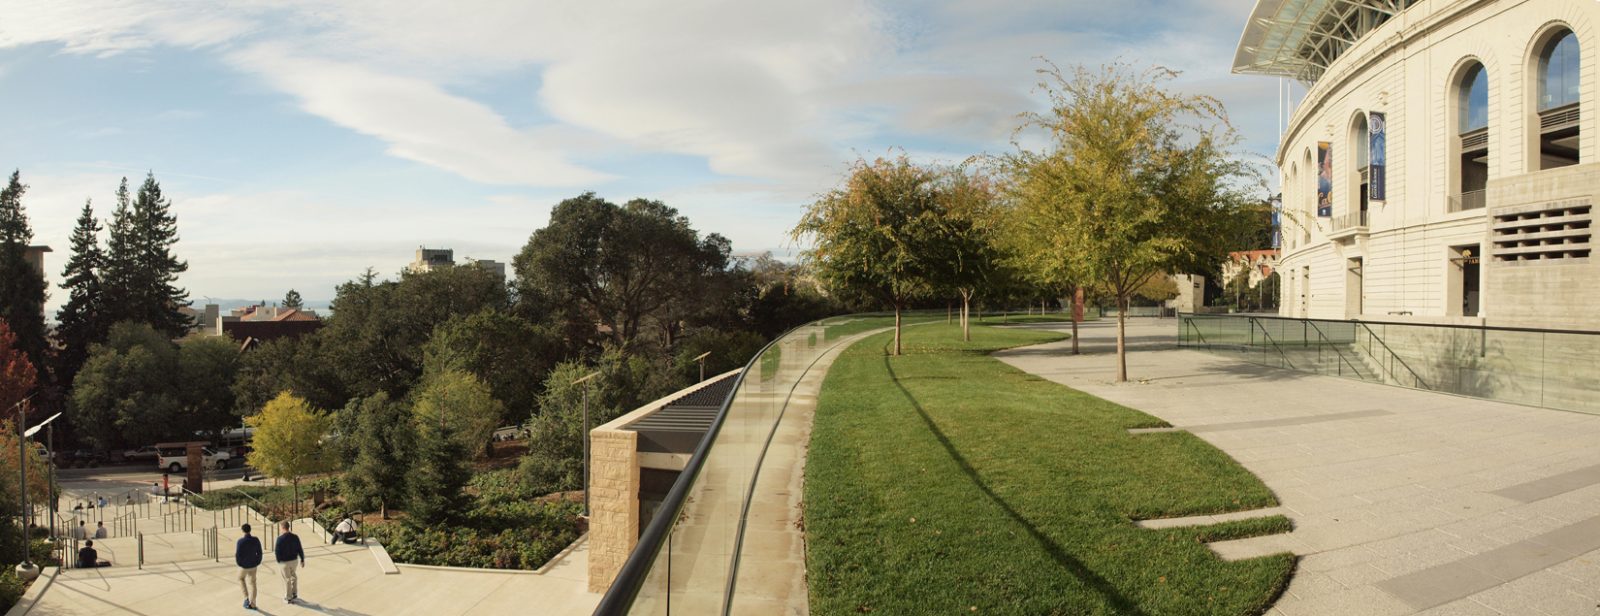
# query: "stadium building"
1442,166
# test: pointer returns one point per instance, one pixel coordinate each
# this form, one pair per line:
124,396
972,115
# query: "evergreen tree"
22,288
116,276
440,473
156,268
384,439
83,318
292,301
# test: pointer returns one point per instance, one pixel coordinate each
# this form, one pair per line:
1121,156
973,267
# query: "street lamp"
582,381
702,359
26,570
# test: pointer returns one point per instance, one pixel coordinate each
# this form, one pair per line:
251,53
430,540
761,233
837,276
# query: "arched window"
1557,102
1360,146
1308,197
1471,143
1289,198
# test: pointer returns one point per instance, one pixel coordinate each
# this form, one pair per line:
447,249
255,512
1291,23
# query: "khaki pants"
247,583
291,589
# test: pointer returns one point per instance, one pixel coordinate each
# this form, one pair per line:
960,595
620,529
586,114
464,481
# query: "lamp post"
583,381
26,570
702,359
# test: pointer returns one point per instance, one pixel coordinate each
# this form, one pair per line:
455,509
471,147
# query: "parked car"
177,460
142,454
82,457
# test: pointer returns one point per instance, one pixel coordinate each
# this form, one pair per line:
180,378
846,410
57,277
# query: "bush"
509,535
11,588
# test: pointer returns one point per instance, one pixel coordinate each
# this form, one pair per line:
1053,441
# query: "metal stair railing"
1256,324
1325,341
1372,336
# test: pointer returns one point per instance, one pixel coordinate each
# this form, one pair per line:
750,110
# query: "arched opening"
1470,144
1360,141
1290,196
1556,73
1308,198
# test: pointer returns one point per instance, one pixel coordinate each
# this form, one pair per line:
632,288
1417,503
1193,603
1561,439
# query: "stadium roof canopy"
1300,38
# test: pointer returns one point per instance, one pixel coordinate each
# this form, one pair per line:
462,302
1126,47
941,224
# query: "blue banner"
1324,179
1378,137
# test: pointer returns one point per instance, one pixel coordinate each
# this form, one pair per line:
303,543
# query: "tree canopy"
141,270
83,318
22,286
288,438
1135,181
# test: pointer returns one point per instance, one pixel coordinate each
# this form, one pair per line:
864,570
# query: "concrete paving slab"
1442,505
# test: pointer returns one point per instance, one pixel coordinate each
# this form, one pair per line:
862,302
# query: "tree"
877,234
1136,181
501,349
82,319
966,255
555,442
141,272
207,367
384,436
376,335
127,391
291,300
460,405
298,364
18,376
434,486
604,270
288,440
22,286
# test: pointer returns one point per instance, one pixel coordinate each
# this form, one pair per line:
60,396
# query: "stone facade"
1438,248
613,503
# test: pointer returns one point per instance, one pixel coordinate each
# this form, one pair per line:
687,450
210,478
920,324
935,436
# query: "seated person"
88,557
345,531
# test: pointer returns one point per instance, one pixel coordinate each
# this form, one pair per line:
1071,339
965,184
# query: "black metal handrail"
1331,344
1371,335
1265,334
1492,328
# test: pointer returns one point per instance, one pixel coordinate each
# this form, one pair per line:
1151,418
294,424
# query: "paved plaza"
1404,502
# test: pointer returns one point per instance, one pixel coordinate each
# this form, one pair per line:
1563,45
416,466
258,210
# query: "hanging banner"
1324,179
1378,136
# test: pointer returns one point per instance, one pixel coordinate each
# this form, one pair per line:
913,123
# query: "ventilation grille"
1550,234
1476,140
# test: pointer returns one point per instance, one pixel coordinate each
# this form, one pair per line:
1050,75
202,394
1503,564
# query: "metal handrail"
1335,347
1273,342
1371,335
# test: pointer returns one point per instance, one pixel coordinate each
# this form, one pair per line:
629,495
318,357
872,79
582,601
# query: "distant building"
498,268
1260,263
429,259
35,255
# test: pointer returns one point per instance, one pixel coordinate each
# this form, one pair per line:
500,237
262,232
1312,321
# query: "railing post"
141,550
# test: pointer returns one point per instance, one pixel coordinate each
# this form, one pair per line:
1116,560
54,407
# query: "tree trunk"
896,329
966,329
1077,315
1122,346
947,311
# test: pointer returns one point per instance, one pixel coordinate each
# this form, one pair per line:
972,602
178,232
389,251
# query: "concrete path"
1404,502
343,580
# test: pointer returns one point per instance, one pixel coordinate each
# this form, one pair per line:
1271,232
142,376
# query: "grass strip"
946,481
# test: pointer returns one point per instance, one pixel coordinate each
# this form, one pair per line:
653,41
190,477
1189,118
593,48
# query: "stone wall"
613,503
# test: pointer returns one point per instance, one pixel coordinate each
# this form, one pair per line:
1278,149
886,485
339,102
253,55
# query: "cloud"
420,121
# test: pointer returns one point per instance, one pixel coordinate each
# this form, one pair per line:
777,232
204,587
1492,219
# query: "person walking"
288,551
247,554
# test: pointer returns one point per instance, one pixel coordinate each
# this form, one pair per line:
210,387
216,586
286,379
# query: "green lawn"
943,481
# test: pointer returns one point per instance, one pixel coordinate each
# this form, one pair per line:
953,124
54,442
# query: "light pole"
584,381
702,359
26,570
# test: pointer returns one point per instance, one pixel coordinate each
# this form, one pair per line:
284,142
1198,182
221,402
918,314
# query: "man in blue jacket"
247,554
288,551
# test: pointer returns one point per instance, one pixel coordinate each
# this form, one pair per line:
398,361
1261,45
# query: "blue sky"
303,141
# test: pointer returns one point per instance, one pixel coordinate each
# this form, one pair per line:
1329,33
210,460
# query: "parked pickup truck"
177,460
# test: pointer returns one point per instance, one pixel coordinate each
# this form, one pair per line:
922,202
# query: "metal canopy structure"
1301,38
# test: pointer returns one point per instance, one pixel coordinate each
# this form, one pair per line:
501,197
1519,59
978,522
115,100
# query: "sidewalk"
1404,502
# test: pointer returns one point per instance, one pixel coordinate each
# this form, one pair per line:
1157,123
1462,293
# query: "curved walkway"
1404,502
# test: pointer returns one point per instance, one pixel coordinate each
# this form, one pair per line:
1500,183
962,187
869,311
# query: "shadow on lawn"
1120,603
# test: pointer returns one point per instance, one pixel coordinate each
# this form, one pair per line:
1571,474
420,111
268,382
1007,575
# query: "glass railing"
1537,367
690,559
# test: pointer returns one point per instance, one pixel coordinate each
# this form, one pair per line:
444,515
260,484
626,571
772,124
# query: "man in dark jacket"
288,551
88,557
247,554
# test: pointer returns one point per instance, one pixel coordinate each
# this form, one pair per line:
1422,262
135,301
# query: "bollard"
141,550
